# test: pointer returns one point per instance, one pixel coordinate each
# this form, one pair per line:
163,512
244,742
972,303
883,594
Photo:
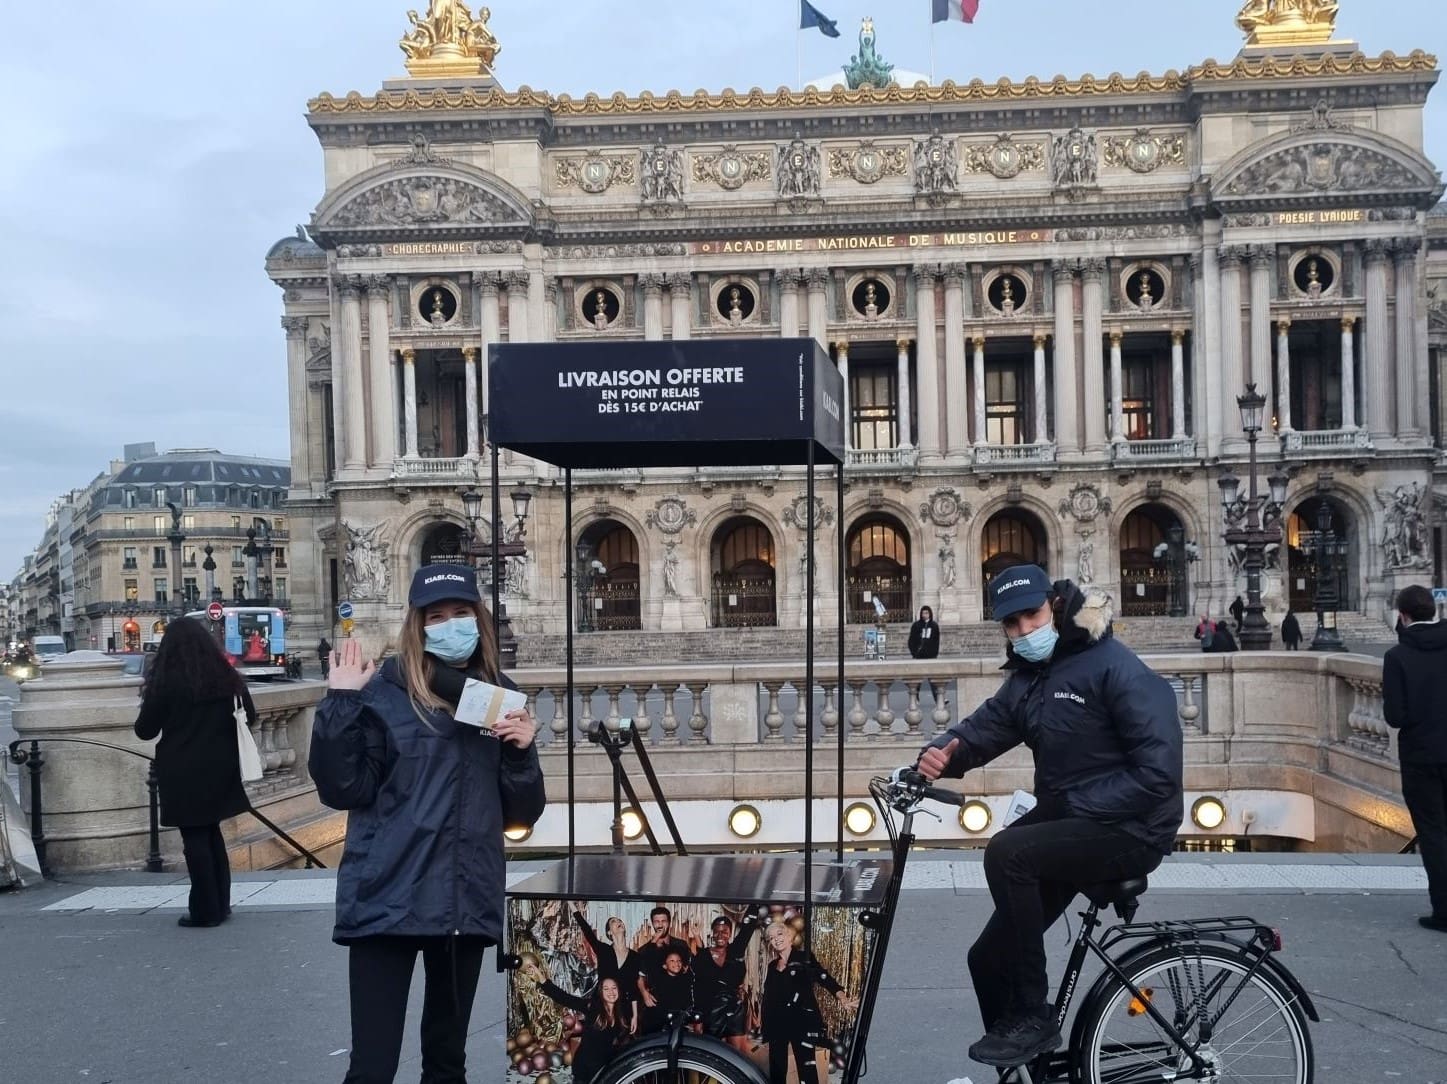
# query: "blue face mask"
453,641
1037,646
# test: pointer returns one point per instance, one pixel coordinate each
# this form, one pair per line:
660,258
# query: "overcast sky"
154,151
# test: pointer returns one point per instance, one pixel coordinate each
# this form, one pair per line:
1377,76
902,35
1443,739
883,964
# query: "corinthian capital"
925,275
1092,268
295,326
1405,249
817,277
791,278
517,281
347,286
1377,249
489,282
1231,254
1262,256
953,274
1063,270
379,285
652,285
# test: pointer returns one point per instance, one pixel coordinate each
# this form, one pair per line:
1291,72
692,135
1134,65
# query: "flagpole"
931,54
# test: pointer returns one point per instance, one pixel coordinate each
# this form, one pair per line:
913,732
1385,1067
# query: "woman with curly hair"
189,700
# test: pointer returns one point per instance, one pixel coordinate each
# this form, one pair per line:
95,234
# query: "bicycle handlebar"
914,783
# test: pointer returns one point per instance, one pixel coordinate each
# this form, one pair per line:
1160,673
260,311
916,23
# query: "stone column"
540,324
1283,374
927,362
1376,361
841,354
491,328
1233,381
550,309
652,307
1067,437
1206,348
1092,302
1404,252
409,400
957,410
680,289
469,366
1261,258
1042,429
1117,394
1348,373
1178,385
383,379
517,306
901,395
979,370
297,403
789,280
353,404
818,280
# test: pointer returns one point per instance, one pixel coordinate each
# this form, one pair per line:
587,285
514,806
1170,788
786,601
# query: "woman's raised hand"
516,728
349,669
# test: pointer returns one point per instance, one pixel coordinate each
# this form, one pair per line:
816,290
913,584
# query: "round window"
437,305
601,307
870,298
736,302
1145,288
1314,275
1007,294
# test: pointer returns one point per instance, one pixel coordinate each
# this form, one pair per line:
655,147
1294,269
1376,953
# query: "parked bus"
253,637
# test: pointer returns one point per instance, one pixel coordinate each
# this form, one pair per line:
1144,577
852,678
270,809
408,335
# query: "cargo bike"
1200,1000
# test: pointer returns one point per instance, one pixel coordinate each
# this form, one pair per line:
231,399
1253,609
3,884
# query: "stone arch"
609,559
1151,585
433,199
969,532
743,551
1326,161
1342,550
879,561
1008,534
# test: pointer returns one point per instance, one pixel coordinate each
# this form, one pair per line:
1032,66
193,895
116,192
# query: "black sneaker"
1434,922
1016,1041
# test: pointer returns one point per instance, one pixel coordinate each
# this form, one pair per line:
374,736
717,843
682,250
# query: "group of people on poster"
634,989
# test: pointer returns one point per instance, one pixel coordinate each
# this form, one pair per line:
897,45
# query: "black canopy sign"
667,404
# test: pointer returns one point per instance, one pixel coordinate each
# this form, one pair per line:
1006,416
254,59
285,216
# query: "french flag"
959,11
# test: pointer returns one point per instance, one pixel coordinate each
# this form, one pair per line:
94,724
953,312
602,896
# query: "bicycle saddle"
1108,892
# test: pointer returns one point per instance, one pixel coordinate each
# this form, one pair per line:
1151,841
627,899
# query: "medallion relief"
868,163
595,173
1143,152
732,168
1004,158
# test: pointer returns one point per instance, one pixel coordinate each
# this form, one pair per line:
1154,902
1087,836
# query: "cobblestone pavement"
101,986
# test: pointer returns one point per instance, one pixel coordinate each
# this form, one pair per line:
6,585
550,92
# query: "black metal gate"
892,591
1154,591
741,602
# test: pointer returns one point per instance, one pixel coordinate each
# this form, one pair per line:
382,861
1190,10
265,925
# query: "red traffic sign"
214,611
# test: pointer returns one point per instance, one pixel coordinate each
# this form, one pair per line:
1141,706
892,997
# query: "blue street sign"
1439,595
344,611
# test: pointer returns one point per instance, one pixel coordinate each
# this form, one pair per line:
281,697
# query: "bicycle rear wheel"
1258,1032
700,1061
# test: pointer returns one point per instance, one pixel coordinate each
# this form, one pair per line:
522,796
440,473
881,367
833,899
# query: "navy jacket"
427,807
1102,725
1414,692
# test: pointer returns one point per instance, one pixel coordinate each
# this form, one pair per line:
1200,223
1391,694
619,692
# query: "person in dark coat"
1414,702
605,1023
1291,632
189,698
428,799
924,641
616,960
1238,612
788,1011
719,970
1107,744
324,655
1221,639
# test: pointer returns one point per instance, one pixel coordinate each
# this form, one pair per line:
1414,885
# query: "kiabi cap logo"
1013,583
453,576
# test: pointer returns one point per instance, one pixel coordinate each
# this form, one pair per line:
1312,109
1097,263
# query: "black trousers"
209,868
803,1061
1424,789
1033,868
380,975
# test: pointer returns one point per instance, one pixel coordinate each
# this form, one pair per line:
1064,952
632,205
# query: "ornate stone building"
1045,297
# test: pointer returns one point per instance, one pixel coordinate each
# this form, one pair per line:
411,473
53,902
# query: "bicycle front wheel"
700,1061
1255,1029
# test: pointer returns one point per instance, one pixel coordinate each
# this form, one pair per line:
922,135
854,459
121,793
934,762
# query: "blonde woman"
428,798
789,1011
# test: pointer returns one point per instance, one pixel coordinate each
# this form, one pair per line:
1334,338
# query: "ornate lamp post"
208,566
1253,523
1325,600
264,550
177,539
512,547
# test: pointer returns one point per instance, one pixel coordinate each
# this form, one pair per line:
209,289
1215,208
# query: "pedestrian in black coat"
428,799
1238,612
189,700
1222,642
324,655
1414,702
924,636
1291,632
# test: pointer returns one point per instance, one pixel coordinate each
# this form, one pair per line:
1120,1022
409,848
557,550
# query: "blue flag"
810,16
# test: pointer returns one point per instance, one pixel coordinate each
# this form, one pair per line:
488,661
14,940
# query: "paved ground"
97,984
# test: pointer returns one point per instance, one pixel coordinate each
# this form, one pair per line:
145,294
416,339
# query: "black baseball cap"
441,583
1019,589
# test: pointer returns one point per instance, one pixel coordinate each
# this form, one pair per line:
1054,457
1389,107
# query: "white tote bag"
251,766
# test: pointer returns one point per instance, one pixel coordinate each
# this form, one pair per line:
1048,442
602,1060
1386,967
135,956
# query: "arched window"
1011,537
444,544
1319,540
608,578
878,568
743,574
1154,573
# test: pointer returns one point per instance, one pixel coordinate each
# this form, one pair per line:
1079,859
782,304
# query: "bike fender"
664,1044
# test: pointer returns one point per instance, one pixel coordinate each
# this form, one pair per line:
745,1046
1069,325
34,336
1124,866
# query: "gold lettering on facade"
429,248
972,238
1319,218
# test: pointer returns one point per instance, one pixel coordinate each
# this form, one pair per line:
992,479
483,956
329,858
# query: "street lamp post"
1178,555
1325,601
264,550
1253,523
208,566
510,545
177,539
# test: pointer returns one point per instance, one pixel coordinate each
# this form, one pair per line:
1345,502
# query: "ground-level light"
974,816
632,824
859,819
745,821
517,835
1208,813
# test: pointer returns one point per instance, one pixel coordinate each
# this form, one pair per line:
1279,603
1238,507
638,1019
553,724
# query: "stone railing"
448,469
866,459
1016,454
1327,440
1169,448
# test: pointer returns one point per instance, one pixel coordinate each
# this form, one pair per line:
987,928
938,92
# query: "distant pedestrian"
1222,642
189,699
324,653
924,641
1205,632
1291,632
1414,701
1238,612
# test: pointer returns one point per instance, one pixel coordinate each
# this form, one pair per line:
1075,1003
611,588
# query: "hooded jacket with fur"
1414,692
1103,727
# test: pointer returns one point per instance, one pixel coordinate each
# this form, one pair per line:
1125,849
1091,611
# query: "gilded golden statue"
1288,22
448,41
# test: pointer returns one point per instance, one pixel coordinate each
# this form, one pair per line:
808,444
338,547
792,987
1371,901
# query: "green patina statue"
868,68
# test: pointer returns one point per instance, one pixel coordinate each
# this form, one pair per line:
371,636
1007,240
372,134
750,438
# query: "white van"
48,647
